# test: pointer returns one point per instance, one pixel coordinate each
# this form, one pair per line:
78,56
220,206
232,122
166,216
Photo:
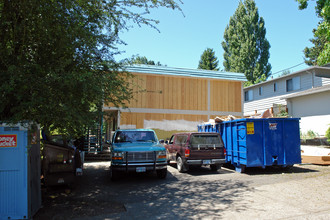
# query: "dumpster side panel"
240,142
34,171
234,137
273,145
225,132
58,165
260,142
254,143
292,142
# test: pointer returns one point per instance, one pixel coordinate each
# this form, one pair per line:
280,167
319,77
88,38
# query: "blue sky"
182,39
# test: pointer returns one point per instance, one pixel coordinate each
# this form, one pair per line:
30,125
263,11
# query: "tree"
246,48
285,72
319,54
57,63
144,60
208,60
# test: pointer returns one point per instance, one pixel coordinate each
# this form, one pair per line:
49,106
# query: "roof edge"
291,74
174,71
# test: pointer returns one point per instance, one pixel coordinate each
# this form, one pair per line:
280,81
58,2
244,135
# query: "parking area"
302,192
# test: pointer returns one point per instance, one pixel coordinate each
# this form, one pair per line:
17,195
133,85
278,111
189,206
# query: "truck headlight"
118,155
161,154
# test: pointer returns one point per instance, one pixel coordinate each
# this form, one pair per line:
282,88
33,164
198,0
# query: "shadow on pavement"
273,170
203,170
141,196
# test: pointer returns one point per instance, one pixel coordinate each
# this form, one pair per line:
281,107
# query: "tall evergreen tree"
144,60
319,54
208,60
246,48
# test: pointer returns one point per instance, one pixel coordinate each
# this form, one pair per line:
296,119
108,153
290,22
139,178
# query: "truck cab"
196,149
137,150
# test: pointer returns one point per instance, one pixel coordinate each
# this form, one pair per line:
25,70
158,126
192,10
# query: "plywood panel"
199,95
168,92
186,94
143,92
225,96
205,95
140,120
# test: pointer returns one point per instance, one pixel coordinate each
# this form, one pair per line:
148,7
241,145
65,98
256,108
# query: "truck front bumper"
130,167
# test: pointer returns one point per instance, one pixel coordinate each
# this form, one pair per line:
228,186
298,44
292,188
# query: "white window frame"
248,95
295,81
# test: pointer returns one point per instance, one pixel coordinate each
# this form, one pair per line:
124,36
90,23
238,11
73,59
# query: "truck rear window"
205,139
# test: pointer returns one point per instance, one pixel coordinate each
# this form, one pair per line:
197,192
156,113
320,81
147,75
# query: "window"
248,95
260,90
205,139
293,84
275,87
181,139
172,139
135,136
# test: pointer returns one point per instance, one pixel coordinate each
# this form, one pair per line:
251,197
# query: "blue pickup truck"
137,150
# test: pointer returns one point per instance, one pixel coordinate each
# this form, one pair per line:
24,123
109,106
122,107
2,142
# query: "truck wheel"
180,165
215,167
113,174
161,174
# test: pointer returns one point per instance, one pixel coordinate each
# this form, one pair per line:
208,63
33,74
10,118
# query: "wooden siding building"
176,99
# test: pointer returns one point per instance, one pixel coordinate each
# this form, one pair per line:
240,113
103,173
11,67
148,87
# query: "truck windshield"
135,136
205,139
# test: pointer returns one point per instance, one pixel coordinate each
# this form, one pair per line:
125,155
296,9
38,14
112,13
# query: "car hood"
138,147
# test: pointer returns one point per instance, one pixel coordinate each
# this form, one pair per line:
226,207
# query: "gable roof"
196,73
318,70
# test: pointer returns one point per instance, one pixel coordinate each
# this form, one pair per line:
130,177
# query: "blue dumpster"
260,142
20,190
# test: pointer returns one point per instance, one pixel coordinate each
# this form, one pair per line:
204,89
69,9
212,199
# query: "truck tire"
215,167
113,174
161,174
181,166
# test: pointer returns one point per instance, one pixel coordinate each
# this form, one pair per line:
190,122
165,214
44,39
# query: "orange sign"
8,140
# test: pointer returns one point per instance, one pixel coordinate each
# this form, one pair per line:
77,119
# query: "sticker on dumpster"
8,140
250,127
273,126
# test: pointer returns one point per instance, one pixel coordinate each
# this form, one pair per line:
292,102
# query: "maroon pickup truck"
196,149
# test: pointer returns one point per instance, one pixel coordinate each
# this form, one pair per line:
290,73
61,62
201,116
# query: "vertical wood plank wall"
165,92
183,93
180,93
226,96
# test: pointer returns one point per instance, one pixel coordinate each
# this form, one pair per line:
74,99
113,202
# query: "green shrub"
311,134
327,134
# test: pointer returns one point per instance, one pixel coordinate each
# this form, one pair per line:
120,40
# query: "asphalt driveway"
302,192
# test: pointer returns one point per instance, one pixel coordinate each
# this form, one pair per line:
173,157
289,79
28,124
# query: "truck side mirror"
166,142
161,141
